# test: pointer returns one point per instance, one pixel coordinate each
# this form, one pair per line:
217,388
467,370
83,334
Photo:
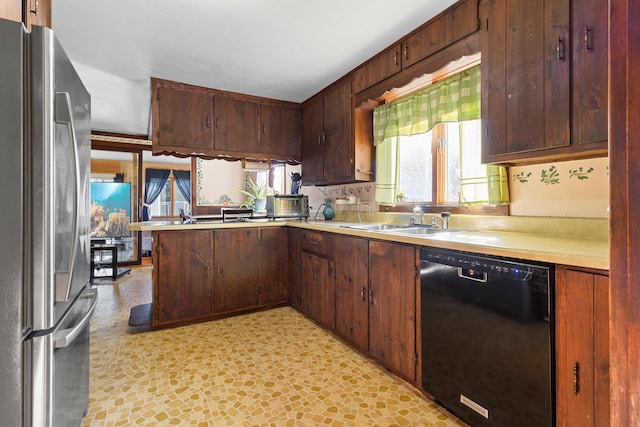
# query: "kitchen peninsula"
364,286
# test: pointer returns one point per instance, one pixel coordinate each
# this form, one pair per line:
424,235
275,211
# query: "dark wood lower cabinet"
392,307
352,291
237,269
182,276
582,348
274,269
204,274
317,288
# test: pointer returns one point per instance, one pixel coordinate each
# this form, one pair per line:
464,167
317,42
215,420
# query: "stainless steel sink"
421,231
377,227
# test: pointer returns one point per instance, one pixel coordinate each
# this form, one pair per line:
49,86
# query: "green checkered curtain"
454,99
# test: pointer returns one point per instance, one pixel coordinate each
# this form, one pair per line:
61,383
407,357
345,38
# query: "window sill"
454,209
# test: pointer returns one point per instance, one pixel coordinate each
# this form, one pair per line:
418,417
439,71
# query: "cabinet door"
11,9
280,129
182,275
430,39
39,13
382,66
392,307
184,121
590,74
338,141
525,76
318,288
464,19
274,265
582,343
312,138
236,125
352,290
237,269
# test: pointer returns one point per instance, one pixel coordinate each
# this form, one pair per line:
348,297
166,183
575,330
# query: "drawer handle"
576,379
314,242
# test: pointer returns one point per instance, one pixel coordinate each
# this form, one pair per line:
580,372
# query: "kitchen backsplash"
578,188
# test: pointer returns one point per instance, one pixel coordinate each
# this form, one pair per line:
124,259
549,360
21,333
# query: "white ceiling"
283,49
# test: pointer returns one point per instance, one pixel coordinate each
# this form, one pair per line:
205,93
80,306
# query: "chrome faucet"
416,210
444,218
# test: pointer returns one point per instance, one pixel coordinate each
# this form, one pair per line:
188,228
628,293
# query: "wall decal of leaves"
522,177
550,176
580,173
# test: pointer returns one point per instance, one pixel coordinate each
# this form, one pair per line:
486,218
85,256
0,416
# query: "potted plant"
256,196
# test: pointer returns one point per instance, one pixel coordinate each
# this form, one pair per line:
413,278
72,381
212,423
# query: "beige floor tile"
270,368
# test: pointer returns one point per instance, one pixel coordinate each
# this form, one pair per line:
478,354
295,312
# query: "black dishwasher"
487,329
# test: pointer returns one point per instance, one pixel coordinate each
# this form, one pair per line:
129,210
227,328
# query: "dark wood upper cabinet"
590,74
312,137
383,65
184,121
280,130
435,36
196,121
445,29
544,79
338,134
236,125
334,149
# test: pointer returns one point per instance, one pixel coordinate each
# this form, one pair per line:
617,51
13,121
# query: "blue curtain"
153,185
183,179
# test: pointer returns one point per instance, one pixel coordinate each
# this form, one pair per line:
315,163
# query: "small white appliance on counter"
46,302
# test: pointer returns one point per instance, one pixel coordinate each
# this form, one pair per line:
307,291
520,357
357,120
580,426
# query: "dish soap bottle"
327,212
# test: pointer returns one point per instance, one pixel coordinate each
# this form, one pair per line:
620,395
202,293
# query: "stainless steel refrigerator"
46,301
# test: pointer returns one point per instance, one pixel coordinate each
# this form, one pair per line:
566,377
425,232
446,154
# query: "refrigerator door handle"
64,115
63,338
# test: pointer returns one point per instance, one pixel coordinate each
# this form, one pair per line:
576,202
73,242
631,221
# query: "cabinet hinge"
415,358
158,95
416,272
159,249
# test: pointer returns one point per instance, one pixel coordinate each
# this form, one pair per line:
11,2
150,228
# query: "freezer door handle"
64,115
65,337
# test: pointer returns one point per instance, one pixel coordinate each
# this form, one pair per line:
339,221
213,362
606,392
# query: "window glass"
432,165
179,200
414,165
162,205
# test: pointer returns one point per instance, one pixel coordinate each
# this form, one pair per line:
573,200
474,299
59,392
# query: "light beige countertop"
580,244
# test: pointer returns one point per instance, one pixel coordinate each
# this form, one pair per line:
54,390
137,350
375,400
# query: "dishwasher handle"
483,279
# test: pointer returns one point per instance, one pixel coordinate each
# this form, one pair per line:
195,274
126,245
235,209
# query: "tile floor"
271,368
